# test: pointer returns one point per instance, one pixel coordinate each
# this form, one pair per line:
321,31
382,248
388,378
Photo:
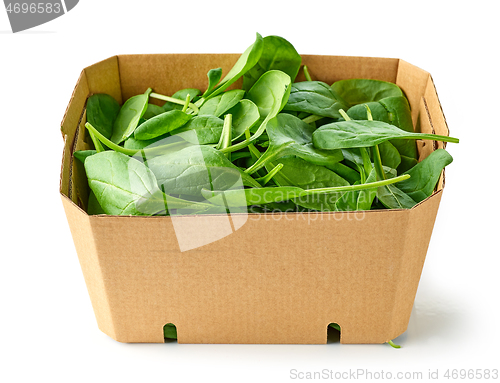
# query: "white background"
47,325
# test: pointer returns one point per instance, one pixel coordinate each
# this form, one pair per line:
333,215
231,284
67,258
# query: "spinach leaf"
165,139
358,200
193,168
245,115
357,134
314,97
201,130
102,110
389,154
395,111
400,115
246,61
170,331
128,117
123,185
399,112
214,76
378,111
217,106
93,206
425,175
152,111
394,198
361,91
345,172
270,93
277,53
161,124
81,155
290,135
300,173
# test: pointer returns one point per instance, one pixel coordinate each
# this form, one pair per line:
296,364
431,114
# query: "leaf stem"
312,118
97,144
393,344
433,137
186,103
264,180
264,159
344,115
225,138
377,160
369,185
368,113
174,100
254,152
306,73
367,163
130,152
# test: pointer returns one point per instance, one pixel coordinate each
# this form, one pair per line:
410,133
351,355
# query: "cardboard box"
275,278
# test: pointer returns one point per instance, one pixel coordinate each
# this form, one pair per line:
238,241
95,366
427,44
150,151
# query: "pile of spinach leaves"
273,145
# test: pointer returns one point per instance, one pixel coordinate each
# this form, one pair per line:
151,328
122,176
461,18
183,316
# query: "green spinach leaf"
362,91
290,135
425,175
277,53
161,124
217,106
245,116
187,171
314,97
357,134
123,185
129,116
201,130
102,110
246,61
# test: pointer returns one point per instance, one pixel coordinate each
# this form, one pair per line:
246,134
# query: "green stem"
130,152
97,144
263,160
174,100
367,163
312,118
433,137
186,103
370,185
237,156
377,160
254,152
344,115
225,138
239,145
248,141
369,113
362,173
264,180
393,344
306,73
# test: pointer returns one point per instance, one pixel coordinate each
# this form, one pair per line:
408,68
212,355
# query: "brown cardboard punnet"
277,278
